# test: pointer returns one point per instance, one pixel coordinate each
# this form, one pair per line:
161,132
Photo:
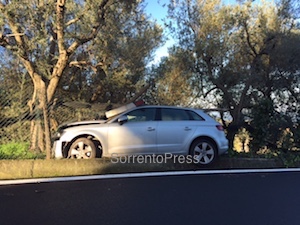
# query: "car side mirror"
122,120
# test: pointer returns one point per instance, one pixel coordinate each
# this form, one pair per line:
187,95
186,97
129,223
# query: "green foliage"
251,154
173,79
14,95
226,56
16,132
240,55
93,51
270,128
291,160
18,151
106,68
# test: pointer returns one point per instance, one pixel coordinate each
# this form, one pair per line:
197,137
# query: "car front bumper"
57,149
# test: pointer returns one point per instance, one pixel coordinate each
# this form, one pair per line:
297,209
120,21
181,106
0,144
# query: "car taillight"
139,103
220,127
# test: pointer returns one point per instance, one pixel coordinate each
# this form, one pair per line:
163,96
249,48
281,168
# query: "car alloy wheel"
82,148
203,151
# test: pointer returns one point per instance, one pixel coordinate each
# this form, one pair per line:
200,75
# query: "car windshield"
111,118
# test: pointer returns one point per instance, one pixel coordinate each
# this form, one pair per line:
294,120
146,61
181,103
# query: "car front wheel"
82,148
203,151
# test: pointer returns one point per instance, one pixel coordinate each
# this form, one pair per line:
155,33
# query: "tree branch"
60,14
64,53
21,43
100,21
248,39
70,22
52,44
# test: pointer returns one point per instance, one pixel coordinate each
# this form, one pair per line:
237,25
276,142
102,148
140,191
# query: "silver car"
144,130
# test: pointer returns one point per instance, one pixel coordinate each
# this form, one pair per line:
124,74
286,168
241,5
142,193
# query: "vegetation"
76,43
18,151
242,59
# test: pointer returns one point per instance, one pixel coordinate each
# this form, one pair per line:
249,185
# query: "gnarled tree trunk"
40,129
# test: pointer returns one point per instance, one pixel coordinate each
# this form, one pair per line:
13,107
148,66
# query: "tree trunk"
37,137
231,132
40,129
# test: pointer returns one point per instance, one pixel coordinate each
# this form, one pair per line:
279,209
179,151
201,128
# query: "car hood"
80,123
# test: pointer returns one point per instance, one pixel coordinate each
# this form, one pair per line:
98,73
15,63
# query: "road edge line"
145,174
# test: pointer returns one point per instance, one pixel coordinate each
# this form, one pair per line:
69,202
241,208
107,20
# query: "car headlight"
57,135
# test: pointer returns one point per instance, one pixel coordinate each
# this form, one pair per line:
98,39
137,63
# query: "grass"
18,151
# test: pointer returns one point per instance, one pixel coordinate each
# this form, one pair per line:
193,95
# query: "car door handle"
187,128
151,128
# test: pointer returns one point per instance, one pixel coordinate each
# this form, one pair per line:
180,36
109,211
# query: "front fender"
69,136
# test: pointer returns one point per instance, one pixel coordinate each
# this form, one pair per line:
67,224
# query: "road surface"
223,199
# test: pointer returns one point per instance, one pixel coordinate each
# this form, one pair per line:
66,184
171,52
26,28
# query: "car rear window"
195,116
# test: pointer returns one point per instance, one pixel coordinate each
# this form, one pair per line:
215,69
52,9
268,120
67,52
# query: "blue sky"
156,10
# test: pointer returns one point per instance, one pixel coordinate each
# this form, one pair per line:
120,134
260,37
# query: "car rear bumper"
223,148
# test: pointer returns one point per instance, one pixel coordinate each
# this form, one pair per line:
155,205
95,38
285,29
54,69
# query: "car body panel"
177,139
132,138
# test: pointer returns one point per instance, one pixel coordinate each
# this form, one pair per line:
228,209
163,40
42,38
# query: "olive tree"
232,51
53,36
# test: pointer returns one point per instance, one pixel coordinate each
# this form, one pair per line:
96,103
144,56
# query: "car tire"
82,148
204,151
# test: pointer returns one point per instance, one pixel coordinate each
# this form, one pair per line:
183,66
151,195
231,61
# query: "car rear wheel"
204,151
82,148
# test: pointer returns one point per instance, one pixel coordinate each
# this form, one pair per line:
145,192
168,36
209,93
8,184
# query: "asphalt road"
229,199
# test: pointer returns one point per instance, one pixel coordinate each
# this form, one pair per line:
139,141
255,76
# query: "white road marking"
146,174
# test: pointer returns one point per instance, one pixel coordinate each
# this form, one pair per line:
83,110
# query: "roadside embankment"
24,169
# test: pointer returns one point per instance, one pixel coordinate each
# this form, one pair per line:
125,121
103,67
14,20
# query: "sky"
158,12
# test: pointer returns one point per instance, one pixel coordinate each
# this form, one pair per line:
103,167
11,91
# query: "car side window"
179,114
195,116
141,115
174,114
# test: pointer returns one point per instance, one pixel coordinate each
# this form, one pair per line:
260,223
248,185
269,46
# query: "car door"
135,136
175,130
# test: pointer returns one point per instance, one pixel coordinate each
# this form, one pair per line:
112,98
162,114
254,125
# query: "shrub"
18,151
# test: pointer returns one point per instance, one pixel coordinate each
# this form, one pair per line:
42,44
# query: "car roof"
167,106
201,112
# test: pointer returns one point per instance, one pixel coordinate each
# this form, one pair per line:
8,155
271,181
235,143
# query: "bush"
270,129
18,151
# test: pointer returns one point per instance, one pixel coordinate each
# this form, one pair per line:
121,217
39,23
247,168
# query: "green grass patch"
18,151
